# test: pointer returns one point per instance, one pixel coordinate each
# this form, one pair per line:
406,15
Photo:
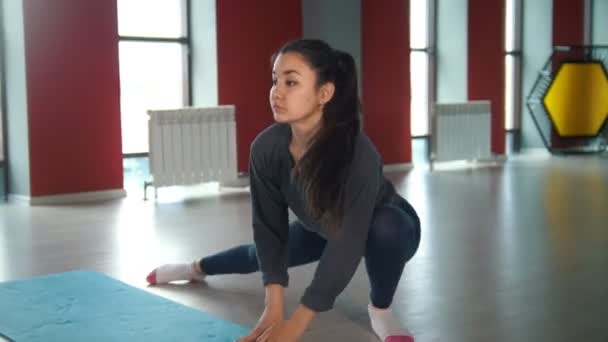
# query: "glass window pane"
509,26
512,91
513,25
151,18
419,71
151,77
419,24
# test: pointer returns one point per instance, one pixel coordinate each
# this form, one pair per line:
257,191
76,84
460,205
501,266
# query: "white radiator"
192,145
461,131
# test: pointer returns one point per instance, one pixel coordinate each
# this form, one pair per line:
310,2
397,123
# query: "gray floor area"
509,252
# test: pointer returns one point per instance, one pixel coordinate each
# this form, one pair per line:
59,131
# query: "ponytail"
323,170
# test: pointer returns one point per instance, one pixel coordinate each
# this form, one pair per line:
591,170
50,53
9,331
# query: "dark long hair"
323,170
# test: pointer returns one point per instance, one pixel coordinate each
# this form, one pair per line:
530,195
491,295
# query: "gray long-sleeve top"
273,192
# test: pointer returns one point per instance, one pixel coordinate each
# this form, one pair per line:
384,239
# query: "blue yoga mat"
89,306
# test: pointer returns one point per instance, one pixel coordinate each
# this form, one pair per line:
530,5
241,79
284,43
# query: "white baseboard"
495,160
80,197
398,167
500,157
18,199
531,153
535,151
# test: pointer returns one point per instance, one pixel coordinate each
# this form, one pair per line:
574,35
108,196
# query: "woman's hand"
270,318
286,331
290,330
272,315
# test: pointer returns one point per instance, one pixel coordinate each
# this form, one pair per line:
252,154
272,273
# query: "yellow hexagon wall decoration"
577,99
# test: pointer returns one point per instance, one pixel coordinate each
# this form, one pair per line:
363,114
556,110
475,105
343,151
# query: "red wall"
568,22
568,28
248,33
385,42
73,95
486,62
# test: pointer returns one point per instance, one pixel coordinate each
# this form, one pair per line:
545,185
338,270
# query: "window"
512,64
421,64
154,64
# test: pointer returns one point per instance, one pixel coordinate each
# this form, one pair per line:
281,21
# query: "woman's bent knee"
394,228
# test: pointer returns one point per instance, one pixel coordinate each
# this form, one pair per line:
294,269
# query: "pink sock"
174,272
387,327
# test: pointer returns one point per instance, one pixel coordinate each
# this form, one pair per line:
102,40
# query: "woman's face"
294,96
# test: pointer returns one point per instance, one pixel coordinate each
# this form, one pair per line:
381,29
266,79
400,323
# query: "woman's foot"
174,272
387,327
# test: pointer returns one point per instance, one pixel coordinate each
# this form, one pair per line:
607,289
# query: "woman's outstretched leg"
304,247
172,272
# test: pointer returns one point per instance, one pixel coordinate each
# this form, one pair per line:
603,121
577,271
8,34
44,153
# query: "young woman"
316,161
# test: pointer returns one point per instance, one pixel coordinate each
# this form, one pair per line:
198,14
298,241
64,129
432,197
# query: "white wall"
452,47
16,97
338,22
537,40
599,30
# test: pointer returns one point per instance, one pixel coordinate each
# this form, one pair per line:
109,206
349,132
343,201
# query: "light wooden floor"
517,252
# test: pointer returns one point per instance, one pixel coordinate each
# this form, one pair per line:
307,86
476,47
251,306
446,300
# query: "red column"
248,33
568,28
568,22
486,62
73,96
385,42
